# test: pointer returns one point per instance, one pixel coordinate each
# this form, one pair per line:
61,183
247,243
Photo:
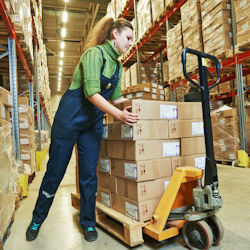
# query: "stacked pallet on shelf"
111,9
45,139
191,31
225,126
133,177
180,92
144,17
217,28
27,136
174,50
158,7
242,10
225,88
120,5
22,21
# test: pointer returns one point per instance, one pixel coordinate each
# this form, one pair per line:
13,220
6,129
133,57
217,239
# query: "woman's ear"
115,33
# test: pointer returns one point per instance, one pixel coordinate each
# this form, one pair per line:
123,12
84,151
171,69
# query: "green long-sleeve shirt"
88,71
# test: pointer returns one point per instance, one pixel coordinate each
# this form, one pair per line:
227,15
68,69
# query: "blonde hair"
103,31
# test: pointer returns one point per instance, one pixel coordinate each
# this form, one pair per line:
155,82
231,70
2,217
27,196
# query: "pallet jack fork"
186,203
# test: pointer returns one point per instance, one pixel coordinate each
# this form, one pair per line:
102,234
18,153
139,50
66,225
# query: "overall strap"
103,58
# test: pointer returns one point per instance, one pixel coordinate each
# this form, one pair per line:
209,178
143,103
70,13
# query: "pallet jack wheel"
217,229
197,234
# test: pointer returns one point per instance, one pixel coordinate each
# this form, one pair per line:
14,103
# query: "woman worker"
79,119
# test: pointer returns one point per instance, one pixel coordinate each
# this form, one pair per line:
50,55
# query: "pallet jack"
187,204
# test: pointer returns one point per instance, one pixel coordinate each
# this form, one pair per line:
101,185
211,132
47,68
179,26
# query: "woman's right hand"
128,117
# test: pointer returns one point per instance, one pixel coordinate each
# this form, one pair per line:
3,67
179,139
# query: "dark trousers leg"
88,146
60,153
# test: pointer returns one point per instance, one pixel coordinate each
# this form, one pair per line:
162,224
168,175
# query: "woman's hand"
127,117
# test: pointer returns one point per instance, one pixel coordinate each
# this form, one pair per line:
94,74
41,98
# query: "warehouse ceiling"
82,15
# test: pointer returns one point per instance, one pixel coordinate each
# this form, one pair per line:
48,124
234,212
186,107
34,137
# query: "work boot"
90,234
32,231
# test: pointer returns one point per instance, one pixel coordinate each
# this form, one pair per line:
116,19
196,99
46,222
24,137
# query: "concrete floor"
61,230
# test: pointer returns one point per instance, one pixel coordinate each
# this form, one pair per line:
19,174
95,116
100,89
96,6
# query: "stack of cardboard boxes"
27,135
136,163
174,50
217,27
191,30
225,123
242,10
7,201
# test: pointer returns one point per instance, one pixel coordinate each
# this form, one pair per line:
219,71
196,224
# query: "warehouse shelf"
128,11
15,46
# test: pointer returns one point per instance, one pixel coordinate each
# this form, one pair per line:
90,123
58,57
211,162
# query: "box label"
126,131
104,165
166,184
24,141
200,162
105,132
171,149
129,96
197,128
25,156
168,111
10,100
232,156
23,125
130,170
3,112
105,199
23,109
131,211
139,94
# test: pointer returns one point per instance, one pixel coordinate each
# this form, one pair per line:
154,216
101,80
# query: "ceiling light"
60,68
62,44
59,78
63,32
64,16
66,1
60,62
61,54
60,73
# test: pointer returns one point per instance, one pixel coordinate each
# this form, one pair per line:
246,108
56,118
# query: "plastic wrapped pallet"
157,8
217,28
242,10
7,202
191,31
174,50
225,87
144,16
111,9
165,71
120,5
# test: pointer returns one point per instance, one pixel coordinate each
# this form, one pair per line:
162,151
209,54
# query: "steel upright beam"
37,99
14,90
241,105
31,101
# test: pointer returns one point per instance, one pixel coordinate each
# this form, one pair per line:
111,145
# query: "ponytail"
103,31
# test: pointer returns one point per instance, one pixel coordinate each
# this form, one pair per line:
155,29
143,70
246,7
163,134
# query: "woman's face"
124,39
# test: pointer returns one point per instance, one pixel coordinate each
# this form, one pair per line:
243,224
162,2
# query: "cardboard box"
104,197
143,150
103,149
197,161
5,112
108,182
6,97
189,110
185,128
140,211
142,130
23,100
192,146
3,122
142,170
151,110
175,163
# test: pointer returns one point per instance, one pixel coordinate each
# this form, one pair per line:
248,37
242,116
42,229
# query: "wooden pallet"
127,230
242,47
121,226
225,162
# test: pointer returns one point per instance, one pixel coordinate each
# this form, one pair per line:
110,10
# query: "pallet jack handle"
211,177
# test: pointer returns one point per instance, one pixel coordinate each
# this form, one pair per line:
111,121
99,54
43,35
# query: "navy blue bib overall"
77,120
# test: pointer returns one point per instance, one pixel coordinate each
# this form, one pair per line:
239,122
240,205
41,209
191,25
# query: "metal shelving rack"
14,47
233,65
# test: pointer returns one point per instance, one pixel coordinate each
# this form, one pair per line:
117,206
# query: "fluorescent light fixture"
60,69
60,62
59,78
65,16
66,1
63,32
62,44
60,73
61,54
